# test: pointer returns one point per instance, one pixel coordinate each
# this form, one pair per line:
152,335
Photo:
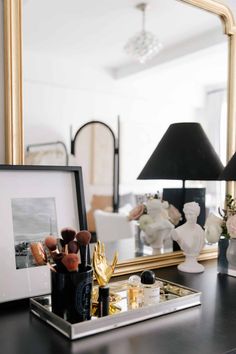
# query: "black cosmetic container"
72,295
103,301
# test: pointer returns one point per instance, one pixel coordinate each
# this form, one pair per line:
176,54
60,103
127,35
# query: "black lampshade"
184,153
229,172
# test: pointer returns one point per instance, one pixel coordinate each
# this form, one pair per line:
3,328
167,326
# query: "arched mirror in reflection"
95,147
81,71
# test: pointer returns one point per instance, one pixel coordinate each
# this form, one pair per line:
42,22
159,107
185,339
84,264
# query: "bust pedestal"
191,265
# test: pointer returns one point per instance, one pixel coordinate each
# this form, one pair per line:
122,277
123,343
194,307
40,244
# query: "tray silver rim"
99,325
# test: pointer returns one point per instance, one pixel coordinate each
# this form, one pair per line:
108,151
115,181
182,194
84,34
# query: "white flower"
231,226
174,215
213,228
156,208
165,204
144,221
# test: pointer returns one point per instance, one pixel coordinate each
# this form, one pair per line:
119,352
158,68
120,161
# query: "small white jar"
151,288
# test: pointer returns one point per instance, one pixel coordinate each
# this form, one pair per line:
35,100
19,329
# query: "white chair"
113,226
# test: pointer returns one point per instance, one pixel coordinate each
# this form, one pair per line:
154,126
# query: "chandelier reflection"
144,45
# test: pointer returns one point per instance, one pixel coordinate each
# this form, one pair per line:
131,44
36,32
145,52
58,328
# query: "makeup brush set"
70,253
71,273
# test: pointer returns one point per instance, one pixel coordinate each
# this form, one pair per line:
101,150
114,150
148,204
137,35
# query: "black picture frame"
15,182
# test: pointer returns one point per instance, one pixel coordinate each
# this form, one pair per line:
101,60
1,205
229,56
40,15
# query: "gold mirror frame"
14,138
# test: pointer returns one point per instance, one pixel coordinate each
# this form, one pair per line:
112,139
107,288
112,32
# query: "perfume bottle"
151,288
135,293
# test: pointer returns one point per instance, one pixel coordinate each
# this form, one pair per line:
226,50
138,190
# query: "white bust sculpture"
191,238
156,224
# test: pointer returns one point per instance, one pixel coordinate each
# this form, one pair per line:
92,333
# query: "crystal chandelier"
144,45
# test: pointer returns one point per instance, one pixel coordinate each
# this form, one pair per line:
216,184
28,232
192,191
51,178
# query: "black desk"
206,329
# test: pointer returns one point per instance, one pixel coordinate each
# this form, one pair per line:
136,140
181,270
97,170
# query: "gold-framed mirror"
14,115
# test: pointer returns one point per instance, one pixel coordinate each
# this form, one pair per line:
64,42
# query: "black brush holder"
72,295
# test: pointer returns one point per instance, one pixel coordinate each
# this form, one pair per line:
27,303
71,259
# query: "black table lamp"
229,172
184,153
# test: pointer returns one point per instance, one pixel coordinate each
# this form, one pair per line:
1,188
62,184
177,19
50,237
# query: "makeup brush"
73,247
68,234
38,253
61,244
71,262
57,257
83,237
51,243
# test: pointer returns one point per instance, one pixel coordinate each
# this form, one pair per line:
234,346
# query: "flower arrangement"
144,213
156,219
225,225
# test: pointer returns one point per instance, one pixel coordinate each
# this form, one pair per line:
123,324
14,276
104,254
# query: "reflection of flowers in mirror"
156,218
154,207
223,226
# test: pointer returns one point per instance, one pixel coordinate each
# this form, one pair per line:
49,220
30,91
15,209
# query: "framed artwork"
35,201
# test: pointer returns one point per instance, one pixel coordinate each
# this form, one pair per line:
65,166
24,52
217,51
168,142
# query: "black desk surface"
206,329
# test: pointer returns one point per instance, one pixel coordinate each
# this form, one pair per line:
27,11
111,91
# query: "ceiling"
95,32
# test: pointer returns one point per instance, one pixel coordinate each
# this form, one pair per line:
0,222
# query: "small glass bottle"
135,295
151,288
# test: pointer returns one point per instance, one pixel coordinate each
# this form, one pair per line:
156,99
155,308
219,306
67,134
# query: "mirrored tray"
174,297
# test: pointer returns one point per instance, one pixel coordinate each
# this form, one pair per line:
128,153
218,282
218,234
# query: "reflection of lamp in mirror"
144,45
184,153
229,172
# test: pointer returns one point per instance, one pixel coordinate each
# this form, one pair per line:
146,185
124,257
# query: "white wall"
58,93
2,139
231,4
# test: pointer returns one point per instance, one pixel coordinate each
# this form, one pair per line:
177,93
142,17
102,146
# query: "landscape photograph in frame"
33,220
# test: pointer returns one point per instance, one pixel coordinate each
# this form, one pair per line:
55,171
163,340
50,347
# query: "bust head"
191,211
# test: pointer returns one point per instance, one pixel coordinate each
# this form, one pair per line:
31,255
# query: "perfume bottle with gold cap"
135,292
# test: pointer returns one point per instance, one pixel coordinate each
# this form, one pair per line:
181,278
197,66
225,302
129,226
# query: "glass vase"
231,253
222,260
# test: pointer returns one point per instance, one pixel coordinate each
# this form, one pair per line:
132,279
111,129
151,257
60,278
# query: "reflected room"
78,73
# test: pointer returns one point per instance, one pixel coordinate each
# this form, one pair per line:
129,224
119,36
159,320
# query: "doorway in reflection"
95,148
